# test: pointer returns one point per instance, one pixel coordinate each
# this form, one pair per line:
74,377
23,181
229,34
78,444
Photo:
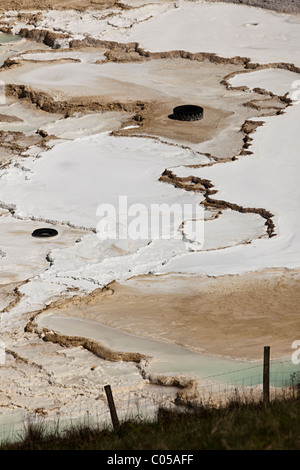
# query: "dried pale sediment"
288,6
44,101
117,54
145,112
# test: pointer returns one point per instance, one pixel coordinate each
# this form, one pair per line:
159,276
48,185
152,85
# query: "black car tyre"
188,112
44,233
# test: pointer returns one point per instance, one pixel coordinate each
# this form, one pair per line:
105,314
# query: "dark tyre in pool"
188,112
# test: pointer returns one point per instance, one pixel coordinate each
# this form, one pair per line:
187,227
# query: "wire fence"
282,374
143,404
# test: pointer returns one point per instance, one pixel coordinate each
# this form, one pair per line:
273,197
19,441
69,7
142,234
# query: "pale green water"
172,359
8,38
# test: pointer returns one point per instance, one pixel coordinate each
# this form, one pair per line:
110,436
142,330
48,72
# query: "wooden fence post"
112,408
266,378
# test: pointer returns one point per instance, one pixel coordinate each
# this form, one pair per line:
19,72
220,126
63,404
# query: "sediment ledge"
94,347
132,51
193,183
43,35
45,102
186,395
17,298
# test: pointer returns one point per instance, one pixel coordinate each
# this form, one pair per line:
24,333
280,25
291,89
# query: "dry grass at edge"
239,425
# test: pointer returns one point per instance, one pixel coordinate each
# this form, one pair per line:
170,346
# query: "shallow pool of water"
8,38
170,359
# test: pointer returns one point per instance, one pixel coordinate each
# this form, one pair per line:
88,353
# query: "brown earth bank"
232,316
58,5
287,6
